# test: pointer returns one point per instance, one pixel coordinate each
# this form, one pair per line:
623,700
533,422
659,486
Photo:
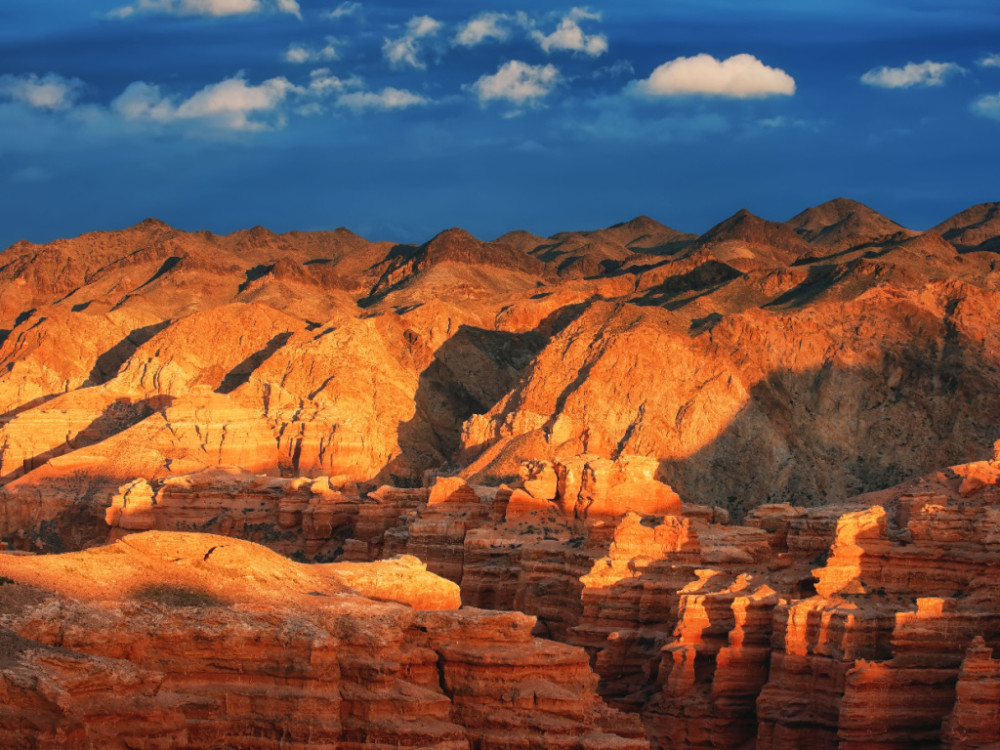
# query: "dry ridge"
710,467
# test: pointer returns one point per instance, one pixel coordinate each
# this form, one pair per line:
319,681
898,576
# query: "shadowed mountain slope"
808,360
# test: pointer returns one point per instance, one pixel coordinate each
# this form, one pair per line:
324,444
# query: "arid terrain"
621,488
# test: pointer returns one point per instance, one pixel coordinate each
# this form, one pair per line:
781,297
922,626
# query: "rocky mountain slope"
714,463
804,361
209,642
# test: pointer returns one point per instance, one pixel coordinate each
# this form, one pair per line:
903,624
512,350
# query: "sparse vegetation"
174,595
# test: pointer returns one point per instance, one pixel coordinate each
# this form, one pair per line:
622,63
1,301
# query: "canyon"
620,488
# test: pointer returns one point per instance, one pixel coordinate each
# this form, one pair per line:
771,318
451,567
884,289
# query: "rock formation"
742,361
704,469
201,641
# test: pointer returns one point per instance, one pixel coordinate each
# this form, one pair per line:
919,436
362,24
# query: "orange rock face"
744,365
519,421
185,640
844,626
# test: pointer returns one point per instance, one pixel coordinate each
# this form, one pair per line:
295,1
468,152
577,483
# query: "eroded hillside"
804,361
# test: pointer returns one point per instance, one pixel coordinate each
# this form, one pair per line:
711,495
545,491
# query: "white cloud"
483,27
322,82
740,77
298,53
405,50
927,73
386,99
301,53
987,106
50,92
517,82
231,104
569,35
289,6
990,61
343,10
207,7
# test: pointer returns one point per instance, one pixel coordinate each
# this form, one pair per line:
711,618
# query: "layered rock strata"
185,640
804,361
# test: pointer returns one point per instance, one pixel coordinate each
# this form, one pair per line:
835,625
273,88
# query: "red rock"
206,640
260,385
976,716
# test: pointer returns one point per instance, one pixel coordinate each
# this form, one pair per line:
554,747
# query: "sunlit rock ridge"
712,468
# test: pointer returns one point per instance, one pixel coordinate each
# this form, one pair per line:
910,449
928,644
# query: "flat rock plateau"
615,489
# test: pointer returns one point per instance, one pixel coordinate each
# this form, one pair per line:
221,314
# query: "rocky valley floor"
619,488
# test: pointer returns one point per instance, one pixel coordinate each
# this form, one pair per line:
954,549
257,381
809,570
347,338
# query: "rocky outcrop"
738,426
205,642
975,226
743,364
518,415
841,223
300,517
784,631
973,722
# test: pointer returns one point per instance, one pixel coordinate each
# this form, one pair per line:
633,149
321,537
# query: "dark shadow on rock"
820,278
676,291
252,274
241,373
116,417
396,261
822,435
168,265
108,364
468,375
877,247
27,406
707,323
77,524
23,317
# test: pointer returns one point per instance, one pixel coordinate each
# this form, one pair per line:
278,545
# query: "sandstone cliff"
698,465
186,640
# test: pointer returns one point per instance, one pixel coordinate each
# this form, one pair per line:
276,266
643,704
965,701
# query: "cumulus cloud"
387,99
570,36
343,10
517,82
739,77
232,104
49,92
990,61
322,82
987,106
927,73
483,27
405,50
207,7
301,53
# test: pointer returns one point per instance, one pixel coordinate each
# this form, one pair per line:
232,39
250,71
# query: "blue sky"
401,119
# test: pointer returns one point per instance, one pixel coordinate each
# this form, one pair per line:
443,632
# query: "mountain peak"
842,221
755,232
151,223
973,226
